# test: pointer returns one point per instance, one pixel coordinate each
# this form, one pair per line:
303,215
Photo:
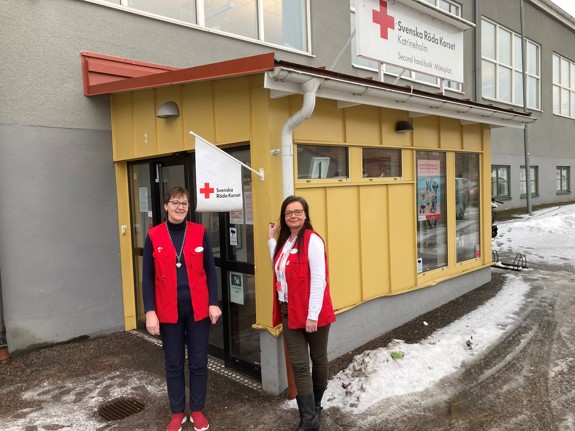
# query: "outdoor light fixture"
167,110
403,127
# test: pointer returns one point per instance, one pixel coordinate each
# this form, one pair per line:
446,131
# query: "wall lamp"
403,126
167,110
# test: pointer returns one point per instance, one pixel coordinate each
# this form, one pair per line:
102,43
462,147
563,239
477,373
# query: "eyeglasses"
296,213
177,204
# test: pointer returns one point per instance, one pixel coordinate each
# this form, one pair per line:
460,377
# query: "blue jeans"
174,337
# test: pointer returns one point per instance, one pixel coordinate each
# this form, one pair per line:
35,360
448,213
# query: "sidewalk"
62,387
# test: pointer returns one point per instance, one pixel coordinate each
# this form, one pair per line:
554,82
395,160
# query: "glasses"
177,204
295,213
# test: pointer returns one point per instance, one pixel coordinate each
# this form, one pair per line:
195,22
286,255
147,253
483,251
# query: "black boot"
307,413
318,395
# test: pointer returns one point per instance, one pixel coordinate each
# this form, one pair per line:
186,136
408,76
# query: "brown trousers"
303,346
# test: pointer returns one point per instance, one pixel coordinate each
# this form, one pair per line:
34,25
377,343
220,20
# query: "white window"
563,86
279,22
502,66
394,71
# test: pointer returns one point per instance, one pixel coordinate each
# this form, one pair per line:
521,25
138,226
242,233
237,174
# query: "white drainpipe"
310,88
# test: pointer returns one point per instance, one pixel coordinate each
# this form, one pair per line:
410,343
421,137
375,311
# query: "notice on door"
237,288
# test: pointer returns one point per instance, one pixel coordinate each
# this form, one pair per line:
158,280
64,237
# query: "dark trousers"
174,337
303,346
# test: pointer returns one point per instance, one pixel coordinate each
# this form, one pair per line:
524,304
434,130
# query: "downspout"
310,88
4,353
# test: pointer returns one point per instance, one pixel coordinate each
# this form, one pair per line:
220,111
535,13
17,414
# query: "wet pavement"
525,382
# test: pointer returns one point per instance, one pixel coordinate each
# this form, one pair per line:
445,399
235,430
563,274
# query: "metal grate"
120,408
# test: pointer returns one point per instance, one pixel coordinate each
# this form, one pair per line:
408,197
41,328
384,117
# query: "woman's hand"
215,313
152,323
310,325
272,230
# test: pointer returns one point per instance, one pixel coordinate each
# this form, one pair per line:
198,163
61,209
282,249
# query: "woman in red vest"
302,303
180,293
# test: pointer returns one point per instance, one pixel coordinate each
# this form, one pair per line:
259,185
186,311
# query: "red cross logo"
207,190
384,20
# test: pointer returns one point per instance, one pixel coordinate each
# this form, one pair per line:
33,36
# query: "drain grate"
120,408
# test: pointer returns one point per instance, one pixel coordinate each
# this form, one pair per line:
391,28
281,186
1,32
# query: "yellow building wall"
369,226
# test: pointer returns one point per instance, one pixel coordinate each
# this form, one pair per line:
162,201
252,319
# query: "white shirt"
316,258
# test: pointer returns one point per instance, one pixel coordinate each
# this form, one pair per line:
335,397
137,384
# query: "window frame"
533,178
559,88
563,171
514,66
200,22
495,168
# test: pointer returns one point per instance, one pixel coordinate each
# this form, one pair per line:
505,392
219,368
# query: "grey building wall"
549,139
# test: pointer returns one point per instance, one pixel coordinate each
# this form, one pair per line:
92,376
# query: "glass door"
231,236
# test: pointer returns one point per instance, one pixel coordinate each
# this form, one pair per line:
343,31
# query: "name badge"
199,249
293,251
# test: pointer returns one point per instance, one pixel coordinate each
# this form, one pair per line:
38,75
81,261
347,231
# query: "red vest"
166,280
298,277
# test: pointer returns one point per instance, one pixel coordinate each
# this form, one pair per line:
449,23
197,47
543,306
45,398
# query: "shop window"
321,161
467,207
500,182
563,179
533,181
431,211
378,162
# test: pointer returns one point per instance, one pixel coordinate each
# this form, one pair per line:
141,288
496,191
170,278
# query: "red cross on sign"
384,20
207,190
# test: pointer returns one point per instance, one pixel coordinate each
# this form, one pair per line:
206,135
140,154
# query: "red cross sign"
206,190
384,20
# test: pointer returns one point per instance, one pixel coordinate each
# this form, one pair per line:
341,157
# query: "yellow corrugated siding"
122,126
325,125
402,241
374,238
473,138
198,112
232,110
145,143
450,134
362,125
426,132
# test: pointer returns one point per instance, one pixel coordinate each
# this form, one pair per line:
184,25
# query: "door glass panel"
241,283
245,340
172,176
241,229
467,206
141,220
432,214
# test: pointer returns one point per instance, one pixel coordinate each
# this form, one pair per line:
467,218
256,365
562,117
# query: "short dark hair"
174,192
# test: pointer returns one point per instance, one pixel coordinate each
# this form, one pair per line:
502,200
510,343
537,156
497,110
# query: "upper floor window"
283,23
398,72
502,66
563,86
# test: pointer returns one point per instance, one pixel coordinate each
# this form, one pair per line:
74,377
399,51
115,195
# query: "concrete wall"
58,240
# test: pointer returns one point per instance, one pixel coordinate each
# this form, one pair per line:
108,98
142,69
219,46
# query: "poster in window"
428,190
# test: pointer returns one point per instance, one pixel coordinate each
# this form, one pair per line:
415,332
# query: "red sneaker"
176,423
199,420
